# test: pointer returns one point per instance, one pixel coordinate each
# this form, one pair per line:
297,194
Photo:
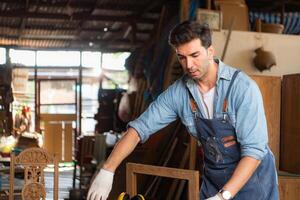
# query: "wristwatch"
226,195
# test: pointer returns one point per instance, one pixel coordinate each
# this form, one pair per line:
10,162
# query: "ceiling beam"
55,30
23,20
71,38
22,14
84,5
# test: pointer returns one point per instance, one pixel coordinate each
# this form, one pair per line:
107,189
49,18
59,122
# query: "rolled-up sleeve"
251,125
159,114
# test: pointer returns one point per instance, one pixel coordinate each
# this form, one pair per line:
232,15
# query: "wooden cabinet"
289,187
290,124
270,88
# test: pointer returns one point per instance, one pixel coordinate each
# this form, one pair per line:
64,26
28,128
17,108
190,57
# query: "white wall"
240,51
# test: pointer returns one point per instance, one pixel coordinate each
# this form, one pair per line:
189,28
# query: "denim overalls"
222,154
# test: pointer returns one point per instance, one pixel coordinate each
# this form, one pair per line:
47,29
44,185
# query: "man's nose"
189,64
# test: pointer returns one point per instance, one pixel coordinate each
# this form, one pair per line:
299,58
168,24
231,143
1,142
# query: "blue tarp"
291,20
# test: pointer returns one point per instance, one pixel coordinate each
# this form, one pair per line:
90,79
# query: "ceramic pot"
264,59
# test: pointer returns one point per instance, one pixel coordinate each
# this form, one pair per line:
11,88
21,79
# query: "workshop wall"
241,46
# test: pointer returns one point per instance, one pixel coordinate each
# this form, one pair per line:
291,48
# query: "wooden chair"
34,161
84,156
192,176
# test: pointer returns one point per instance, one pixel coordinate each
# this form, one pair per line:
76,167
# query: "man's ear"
211,52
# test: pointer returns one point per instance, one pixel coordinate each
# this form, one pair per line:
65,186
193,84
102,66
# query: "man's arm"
244,170
251,134
122,149
102,184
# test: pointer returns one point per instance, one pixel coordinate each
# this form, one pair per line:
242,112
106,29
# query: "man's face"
195,59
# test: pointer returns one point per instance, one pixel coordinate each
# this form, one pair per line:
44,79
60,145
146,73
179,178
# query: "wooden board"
58,135
237,12
68,142
58,117
270,88
53,139
290,124
289,187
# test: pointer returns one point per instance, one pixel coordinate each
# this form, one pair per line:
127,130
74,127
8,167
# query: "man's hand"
216,197
101,185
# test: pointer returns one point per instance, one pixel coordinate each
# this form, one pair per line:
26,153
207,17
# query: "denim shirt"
245,110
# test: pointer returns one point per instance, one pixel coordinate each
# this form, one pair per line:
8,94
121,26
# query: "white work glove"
101,185
216,197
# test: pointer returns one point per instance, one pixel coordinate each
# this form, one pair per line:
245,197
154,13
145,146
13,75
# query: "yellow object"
141,196
124,196
7,149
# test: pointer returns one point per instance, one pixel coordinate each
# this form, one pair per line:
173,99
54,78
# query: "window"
2,56
114,61
58,58
23,57
91,63
57,96
115,74
91,59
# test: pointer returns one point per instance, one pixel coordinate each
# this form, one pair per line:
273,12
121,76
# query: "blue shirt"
245,110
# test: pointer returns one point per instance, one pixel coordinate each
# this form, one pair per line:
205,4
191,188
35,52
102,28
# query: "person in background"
23,121
220,106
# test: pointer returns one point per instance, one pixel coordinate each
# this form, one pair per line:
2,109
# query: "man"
23,121
221,107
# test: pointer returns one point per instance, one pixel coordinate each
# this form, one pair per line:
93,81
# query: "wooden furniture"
34,161
84,156
290,126
234,10
270,88
59,135
192,176
268,27
289,187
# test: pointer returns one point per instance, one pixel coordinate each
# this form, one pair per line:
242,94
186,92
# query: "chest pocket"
231,117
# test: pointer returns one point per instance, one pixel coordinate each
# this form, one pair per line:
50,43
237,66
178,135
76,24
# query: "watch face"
226,195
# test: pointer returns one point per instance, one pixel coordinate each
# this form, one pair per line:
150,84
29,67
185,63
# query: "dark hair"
189,30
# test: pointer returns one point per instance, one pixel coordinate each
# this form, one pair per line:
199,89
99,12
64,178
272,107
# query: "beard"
201,70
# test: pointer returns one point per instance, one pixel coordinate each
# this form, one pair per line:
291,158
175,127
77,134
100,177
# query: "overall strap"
193,103
228,91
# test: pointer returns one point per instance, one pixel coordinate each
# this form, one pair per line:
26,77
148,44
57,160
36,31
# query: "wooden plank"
58,117
56,133
53,138
290,137
68,141
289,187
193,149
235,10
270,88
184,10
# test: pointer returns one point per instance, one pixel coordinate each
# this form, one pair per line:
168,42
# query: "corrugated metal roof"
78,23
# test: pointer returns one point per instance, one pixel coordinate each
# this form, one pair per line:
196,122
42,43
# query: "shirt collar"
223,73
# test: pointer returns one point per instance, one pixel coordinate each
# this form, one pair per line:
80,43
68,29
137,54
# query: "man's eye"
180,58
195,55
